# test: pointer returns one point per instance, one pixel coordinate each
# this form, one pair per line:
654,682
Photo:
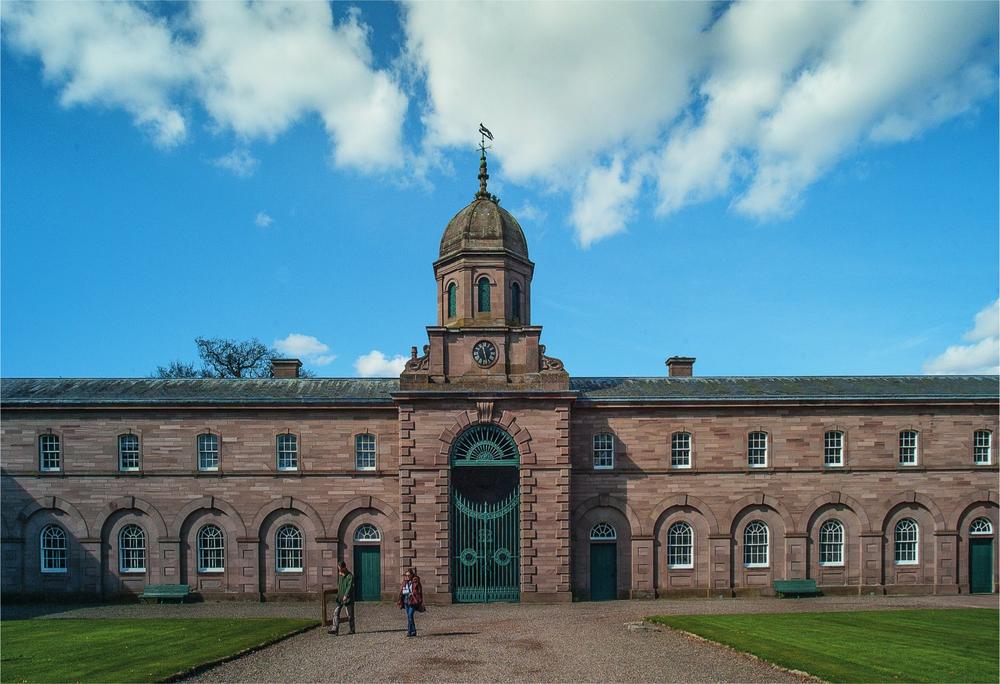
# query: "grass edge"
208,665
753,656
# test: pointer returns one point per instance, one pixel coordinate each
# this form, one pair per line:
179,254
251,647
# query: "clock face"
484,353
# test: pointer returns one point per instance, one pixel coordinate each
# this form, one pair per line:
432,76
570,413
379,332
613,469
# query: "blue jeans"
411,628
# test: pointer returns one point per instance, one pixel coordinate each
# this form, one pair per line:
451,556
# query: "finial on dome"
484,176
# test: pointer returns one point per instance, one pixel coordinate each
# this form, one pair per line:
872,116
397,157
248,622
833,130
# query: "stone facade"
457,384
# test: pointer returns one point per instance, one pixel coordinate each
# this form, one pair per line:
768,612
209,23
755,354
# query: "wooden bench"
166,591
805,587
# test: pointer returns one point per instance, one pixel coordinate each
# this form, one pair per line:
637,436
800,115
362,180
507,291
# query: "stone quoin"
495,473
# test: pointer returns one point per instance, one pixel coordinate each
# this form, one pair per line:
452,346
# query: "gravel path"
580,642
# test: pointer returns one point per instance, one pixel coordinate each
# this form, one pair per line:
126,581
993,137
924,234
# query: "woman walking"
411,598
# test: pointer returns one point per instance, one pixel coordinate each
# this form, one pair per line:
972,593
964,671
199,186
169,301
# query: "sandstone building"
496,474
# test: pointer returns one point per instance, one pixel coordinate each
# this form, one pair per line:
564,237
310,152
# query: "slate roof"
194,392
790,388
320,391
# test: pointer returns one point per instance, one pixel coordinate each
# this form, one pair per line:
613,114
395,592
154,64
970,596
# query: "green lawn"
863,646
140,650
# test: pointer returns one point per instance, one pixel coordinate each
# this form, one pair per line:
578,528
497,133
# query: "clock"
484,353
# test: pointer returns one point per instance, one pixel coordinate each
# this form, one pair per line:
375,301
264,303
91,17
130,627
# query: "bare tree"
179,369
235,359
223,358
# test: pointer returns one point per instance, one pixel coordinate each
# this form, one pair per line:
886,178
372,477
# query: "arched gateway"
485,516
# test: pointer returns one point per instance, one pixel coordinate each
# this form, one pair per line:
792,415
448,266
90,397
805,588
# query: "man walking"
345,598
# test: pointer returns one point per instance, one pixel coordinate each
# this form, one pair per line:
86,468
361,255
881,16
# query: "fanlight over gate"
485,516
484,445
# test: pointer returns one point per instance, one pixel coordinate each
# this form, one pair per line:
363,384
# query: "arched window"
981,526
364,452
680,450
288,549
515,302
208,452
680,545
833,449
288,452
757,449
128,452
831,543
367,532
452,300
484,294
49,454
755,546
132,549
604,451
211,549
983,447
908,447
906,537
603,531
52,542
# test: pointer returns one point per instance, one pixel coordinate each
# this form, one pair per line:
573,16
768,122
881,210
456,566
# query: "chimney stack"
285,368
680,366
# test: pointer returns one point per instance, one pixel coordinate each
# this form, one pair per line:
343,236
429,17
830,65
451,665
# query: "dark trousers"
349,607
411,627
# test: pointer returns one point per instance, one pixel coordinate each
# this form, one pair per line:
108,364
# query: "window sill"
216,571
756,566
133,572
907,563
831,565
604,467
62,571
680,567
679,467
289,571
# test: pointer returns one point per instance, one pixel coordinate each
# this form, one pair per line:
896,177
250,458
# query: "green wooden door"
603,571
980,565
367,572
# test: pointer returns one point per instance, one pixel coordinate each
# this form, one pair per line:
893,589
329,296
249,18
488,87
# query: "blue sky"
826,204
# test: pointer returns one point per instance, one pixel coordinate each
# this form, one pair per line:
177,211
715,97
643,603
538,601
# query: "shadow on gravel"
448,634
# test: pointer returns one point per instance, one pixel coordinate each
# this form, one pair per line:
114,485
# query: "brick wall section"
794,495
327,498
408,497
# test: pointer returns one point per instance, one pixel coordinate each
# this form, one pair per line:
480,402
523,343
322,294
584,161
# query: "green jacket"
345,588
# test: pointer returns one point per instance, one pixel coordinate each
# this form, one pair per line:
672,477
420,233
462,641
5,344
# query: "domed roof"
484,226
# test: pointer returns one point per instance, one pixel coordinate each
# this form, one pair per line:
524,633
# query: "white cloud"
263,220
982,356
239,162
756,106
306,348
109,54
604,203
376,364
256,68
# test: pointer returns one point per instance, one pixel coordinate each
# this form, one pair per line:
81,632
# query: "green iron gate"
485,518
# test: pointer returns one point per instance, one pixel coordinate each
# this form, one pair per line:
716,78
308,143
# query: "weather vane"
484,133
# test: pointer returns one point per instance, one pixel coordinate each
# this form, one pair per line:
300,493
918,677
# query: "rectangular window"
757,449
680,450
364,452
604,451
288,452
983,447
49,455
833,449
908,447
128,452
208,452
